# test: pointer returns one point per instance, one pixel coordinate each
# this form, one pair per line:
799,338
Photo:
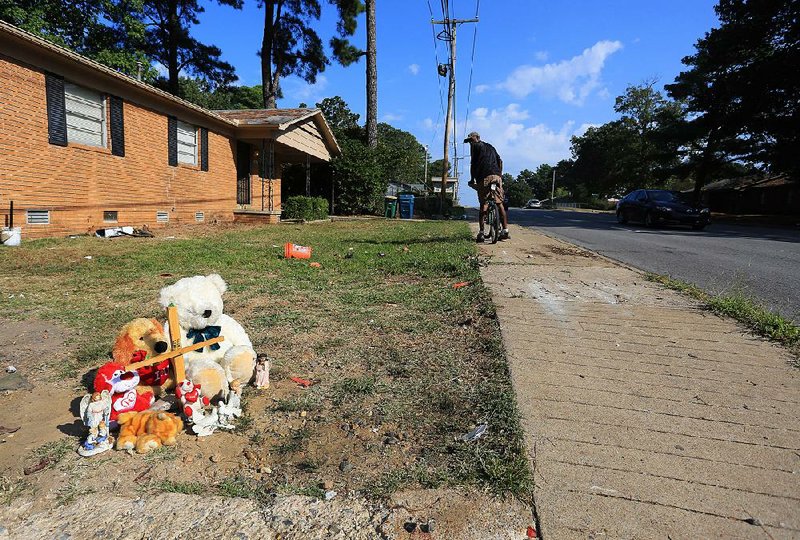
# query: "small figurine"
262,371
231,409
95,412
192,401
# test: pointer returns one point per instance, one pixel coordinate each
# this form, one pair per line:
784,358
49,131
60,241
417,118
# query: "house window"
199,216
110,215
86,115
187,143
162,217
38,217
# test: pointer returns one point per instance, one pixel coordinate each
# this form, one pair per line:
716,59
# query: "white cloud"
389,117
541,56
413,69
522,145
296,90
571,81
481,88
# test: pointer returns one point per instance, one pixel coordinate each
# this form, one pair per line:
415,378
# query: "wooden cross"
177,352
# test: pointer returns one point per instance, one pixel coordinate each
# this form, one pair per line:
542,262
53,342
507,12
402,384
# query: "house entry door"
242,173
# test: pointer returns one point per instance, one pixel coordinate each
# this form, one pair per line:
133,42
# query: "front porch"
266,141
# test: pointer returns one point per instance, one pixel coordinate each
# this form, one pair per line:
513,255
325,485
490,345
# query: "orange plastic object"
293,251
302,382
461,284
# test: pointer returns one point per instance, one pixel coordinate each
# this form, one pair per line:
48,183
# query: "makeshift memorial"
199,304
95,412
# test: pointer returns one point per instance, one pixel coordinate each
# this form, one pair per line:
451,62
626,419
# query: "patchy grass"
744,309
54,452
187,488
403,364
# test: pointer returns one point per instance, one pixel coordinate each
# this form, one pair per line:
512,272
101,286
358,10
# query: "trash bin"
406,203
390,206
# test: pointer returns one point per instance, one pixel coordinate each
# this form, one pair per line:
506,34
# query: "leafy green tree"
539,181
290,46
517,190
339,116
401,156
740,94
86,28
199,92
167,40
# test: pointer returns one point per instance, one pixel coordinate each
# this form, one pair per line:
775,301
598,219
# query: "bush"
307,208
428,206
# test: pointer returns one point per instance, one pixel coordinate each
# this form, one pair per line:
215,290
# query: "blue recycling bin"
406,204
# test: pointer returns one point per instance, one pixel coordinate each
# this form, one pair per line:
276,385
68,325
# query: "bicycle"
493,217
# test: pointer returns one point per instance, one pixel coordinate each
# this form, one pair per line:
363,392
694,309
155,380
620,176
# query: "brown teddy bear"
140,339
147,430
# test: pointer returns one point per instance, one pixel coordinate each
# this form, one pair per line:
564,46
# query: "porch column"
308,175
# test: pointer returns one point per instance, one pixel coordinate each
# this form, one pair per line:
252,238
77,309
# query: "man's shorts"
484,189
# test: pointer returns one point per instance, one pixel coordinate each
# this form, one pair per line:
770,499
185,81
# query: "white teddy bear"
199,303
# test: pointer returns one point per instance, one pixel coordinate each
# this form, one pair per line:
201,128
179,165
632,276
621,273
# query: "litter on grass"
475,434
460,284
305,383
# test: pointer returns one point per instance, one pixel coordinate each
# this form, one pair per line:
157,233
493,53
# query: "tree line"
733,111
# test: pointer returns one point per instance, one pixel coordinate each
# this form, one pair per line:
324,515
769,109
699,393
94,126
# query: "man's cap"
474,136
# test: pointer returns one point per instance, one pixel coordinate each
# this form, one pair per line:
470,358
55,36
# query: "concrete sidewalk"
645,416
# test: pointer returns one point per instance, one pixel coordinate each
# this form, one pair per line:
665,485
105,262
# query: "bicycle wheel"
493,217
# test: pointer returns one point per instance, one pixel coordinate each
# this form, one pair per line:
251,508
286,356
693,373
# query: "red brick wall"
78,183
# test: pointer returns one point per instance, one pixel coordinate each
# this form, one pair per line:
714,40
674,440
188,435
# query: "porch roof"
302,130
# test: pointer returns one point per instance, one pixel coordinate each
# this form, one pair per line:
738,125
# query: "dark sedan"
660,206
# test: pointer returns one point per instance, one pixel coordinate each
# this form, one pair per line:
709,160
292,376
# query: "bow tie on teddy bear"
204,334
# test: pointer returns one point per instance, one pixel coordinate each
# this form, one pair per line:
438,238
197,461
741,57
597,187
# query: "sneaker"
504,235
480,237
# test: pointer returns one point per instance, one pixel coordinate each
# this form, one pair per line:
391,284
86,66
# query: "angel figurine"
96,414
262,371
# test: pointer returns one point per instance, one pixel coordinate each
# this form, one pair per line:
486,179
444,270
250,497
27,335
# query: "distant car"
660,206
533,203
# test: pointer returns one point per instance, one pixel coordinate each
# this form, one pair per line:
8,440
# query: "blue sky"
542,71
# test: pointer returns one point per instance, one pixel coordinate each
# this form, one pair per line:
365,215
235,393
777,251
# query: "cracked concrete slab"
645,416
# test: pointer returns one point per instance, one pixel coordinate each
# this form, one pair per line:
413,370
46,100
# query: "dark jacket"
484,161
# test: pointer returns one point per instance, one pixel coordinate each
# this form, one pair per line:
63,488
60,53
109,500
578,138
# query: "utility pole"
553,191
372,77
425,174
449,34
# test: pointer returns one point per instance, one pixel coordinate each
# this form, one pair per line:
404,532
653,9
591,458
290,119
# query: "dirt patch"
567,251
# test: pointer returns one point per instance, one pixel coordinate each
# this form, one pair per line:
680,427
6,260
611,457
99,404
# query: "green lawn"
405,363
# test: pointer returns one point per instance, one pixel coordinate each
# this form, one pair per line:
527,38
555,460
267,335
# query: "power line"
438,79
471,65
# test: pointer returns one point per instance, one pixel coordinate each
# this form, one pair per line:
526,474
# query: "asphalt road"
762,262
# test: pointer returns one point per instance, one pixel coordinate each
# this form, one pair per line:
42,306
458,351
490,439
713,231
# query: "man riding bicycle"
486,169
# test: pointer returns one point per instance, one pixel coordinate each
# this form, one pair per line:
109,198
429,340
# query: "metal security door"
242,173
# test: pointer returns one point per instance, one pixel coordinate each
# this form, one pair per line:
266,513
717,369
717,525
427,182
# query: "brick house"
84,147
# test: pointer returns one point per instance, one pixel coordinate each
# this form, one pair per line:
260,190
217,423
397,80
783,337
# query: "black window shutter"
203,149
117,127
172,140
56,109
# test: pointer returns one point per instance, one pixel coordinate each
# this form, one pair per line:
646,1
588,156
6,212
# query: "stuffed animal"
122,386
145,431
140,339
200,314
191,399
